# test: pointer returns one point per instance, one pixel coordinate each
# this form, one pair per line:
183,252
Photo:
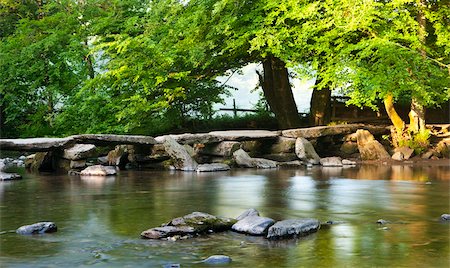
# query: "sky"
246,97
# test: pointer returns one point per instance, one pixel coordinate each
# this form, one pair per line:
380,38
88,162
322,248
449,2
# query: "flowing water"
100,219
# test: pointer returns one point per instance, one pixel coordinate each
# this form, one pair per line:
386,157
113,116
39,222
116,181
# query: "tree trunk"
90,65
416,117
320,112
399,124
278,93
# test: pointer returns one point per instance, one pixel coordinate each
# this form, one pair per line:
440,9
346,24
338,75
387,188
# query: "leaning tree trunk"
278,93
397,121
320,112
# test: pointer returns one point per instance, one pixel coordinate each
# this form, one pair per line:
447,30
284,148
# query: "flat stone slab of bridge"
48,144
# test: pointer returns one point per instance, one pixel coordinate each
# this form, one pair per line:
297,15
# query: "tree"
395,57
42,64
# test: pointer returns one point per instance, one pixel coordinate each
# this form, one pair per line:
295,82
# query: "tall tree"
41,65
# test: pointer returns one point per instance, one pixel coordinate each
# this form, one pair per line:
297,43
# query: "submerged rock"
37,228
217,259
253,225
98,170
381,221
293,228
190,225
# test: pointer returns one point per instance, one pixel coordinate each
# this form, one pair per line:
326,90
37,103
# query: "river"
100,219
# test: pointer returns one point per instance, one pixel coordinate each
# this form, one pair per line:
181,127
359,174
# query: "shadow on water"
100,218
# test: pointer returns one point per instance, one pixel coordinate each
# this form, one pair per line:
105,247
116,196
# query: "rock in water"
248,212
334,161
37,228
182,160
212,167
293,228
306,152
445,217
98,170
253,225
190,225
244,160
9,176
217,259
369,148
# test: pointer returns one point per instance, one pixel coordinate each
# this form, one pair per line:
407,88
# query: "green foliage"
150,66
419,141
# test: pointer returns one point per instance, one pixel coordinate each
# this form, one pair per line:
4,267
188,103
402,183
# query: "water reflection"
100,218
97,182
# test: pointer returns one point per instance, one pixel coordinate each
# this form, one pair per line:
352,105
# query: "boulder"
217,259
180,157
37,228
369,148
168,231
405,151
331,161
293,228
428,154
190,225
398,156
248,212
44,161
347,162
283,145
9,176
305,151
349,147
443,148
212,167
80,151
224,149
118,156
77,164
242,159
98,170
29,160
253,225
295,163
281,157
253,147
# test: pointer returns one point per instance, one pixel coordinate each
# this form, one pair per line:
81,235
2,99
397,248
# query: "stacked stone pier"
212,151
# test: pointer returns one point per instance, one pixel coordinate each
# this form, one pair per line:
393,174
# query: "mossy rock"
203,222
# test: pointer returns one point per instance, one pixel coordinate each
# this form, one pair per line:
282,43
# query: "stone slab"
320,131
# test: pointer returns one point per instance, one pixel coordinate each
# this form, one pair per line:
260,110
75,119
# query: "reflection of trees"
134,201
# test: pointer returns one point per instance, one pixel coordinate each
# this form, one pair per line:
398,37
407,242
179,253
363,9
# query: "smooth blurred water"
100,219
